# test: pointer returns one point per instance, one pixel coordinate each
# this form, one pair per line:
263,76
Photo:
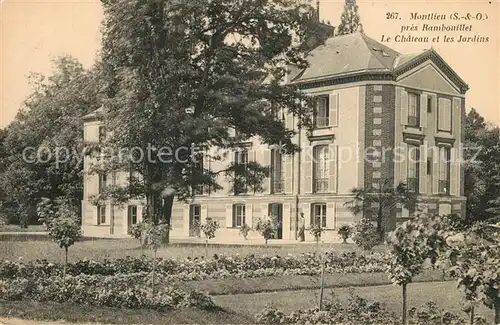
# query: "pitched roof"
95,114
346,54
357,53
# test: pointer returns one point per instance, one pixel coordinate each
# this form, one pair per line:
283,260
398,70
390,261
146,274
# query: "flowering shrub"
125,291
244,230
360,311
197,269
366,235
266,227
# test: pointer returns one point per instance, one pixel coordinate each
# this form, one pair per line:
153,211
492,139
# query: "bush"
315,230
123,291
136,231
266,227
365,235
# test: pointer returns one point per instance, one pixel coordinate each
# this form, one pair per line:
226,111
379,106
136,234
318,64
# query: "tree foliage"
365,234
381,203
183,74
266,227
349,20
42,151
481,168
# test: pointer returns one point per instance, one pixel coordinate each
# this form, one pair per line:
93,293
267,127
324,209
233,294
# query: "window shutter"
308,169
288,166
139,213
185,220
423,110
404,107
248,214
287,214
456,114
204,213
397,165
404,163
289,120
435,169
423,169
229,216
333,164
454,172
334,109
264,210
331,216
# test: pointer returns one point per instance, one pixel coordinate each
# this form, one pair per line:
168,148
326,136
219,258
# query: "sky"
33,32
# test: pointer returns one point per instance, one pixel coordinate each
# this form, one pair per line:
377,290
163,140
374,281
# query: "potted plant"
345,231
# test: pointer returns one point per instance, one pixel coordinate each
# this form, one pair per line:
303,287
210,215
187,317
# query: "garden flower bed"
124,291
199,269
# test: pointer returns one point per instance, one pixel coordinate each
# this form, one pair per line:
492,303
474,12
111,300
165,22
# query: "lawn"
31,247
444,294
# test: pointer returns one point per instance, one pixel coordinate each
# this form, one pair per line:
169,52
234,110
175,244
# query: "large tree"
183,74
43,145
349,20
481,168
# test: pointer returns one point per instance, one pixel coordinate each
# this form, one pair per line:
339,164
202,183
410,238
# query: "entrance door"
276,211
194,220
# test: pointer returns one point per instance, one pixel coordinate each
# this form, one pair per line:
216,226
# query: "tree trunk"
65,260
497,312
206,248
380,217
265,240
404,303
153,273
472,315
322,284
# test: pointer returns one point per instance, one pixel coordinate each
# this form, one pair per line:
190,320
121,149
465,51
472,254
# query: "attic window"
376,49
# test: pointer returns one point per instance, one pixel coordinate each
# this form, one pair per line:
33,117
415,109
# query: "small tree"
381,202
475,264
365,235
244,230
62,224
349,20
153,237
209,228
266,227
411,244
345,231
316,230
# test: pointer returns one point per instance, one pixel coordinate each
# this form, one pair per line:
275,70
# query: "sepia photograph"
249,162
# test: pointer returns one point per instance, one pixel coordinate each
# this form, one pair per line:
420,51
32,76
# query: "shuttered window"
277,171
322,112
101,214
413,168
413,110
321,168
238,215
241,164
444,170
103,181
318,214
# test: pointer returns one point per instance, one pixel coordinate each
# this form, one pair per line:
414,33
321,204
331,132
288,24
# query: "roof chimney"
317,9
360,28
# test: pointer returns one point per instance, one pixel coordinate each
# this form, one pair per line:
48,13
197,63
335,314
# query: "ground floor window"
238,215
101,214
318,214
132,214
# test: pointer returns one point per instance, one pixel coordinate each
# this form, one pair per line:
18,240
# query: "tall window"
238,215
132,214
413,110
322,114
413,168
101,214
277,171
198,173
318,214
444,115
320,168
444,170
103,180
241,165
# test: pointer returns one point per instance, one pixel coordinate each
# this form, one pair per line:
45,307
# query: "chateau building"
380,116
